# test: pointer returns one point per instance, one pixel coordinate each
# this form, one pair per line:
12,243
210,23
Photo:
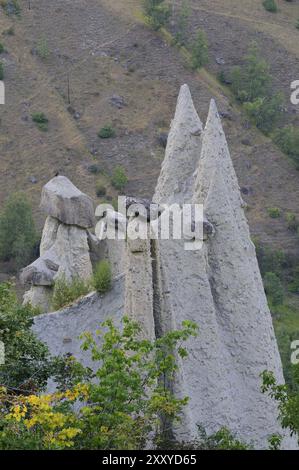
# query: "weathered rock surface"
64,248
62,200
218,286
182,151
61,330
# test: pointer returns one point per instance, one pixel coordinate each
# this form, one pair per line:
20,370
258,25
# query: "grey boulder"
62,200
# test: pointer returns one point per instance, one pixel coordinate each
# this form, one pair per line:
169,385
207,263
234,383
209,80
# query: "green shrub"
265,112
25,356
274,288
157,13
292,221
270,260
199,50
181,34
42,49
287,139
297,24
40,120
270,5
11,7
251,80
102,278
119,178
1,70
106,132
94,169
100,189
2,49
65,292
125,403
17,230
274,212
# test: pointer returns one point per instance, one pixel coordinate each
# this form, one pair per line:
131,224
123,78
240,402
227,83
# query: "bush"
287,400
40,120
126,403
94,169
11,7
106,132
287,139
292,221
199,50
274,212
2,49
297,24
42,49
265,112
65,292
102,278
119,178
274,288
181,34
157,13
1,70
26,364
100,190
270,260
251,80
17,230
270,5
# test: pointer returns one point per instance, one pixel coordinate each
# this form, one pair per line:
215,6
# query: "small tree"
199,50
287,400
270,5
157,13
182,24
27,364
119,178
287,140
17,230
251,80
125,401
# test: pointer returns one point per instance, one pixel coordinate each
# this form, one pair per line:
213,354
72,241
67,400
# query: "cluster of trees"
125,401
18,236
158,13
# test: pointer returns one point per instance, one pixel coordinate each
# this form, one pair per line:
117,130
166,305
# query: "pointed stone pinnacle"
182,151
215,156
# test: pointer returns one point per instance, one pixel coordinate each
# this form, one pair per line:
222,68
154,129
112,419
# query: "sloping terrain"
119,72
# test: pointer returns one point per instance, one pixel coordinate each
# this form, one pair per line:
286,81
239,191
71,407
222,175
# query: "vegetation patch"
102,277
41,120
66,292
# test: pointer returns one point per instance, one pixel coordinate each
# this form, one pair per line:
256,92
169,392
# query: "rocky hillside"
87,64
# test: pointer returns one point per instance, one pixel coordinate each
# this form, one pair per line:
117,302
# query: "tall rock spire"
182,152
220,288
242,314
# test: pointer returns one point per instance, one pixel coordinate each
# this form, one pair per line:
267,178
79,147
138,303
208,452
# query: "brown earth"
105,49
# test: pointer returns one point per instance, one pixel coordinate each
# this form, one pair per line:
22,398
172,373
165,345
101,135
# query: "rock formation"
218,286
64,249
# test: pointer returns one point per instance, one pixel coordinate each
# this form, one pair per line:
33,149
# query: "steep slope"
105,50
